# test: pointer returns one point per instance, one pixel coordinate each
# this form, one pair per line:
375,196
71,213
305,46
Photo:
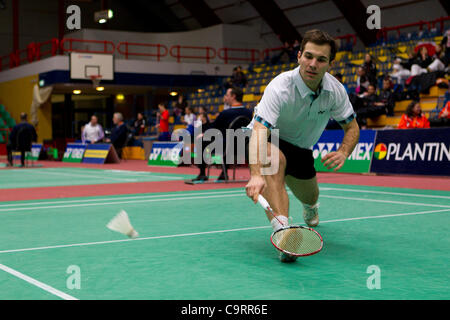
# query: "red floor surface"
414,182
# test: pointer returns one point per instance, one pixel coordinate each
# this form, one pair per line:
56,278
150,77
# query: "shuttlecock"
121,223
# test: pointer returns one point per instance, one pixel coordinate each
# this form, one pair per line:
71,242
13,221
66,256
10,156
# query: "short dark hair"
319,37
238,93
23,116
163,104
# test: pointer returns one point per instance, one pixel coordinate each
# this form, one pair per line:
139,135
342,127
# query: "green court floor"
53,177
215,245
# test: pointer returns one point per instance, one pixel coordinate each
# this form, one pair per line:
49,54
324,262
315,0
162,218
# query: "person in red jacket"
413,118
163,125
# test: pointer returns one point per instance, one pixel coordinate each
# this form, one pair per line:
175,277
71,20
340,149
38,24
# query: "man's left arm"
351,137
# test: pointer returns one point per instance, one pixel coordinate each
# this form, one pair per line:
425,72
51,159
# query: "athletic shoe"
311,215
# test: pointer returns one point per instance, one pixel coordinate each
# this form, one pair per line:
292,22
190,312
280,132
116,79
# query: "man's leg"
307,191
9,150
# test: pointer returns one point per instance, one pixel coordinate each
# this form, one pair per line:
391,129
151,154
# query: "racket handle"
263,202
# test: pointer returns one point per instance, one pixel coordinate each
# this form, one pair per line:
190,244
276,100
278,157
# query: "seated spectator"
436,63
92,132
387,96
443,118
399,72
21,139
286,55
139,125
222,123
421,62
369,106
362,81
163,125
238,79
202,117
189,120
296,48
413,117
370,68
119,133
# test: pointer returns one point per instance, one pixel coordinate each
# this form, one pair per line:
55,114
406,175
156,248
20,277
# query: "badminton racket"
294,240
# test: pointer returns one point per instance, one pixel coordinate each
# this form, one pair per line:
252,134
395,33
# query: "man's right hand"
255,187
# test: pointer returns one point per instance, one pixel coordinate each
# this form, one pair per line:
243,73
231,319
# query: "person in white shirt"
93,131
299,104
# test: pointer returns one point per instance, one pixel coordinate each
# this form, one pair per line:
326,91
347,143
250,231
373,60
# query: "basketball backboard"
85,65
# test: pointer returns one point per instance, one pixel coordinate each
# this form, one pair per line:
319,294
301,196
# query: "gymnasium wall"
17,95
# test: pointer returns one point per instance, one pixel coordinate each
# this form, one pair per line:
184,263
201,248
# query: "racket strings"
297,241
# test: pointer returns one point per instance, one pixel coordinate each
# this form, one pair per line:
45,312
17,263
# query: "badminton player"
299,103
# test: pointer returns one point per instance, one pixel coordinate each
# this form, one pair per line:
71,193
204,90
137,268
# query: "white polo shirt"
300,116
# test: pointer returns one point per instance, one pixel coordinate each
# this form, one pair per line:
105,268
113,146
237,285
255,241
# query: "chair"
237,124
125,144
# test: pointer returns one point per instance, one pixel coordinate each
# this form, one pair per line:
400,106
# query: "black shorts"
299,161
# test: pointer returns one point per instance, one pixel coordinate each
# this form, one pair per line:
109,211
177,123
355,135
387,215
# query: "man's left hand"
334,159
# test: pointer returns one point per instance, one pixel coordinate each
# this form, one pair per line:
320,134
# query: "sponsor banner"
357,162
36,149
412,151
165,154
100,153
74,152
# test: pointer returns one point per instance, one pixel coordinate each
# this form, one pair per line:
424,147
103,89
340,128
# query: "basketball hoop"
95,80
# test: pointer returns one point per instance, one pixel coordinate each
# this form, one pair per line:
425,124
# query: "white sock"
276,225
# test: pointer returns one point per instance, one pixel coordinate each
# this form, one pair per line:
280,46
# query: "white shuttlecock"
121,223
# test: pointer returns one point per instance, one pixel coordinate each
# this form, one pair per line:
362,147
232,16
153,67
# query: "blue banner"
357,162
96,153
412,151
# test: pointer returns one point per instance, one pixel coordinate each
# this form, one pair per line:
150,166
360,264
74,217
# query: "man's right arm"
257,183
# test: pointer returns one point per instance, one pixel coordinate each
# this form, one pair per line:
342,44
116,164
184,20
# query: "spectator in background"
362,81
119,133
421,62
163,125
399,72
413,117
201,120
387,96
21,139
238,79
189,120
139,125
180,106
222,123
92,132
443,118
370,69
296,48
370,106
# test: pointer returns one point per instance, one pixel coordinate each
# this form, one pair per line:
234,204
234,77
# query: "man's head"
233,95
386,84
140,116
23,116
371,89
162,107
360,71
117,118
94,120
317,51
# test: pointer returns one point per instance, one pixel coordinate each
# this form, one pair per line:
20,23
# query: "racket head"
297,241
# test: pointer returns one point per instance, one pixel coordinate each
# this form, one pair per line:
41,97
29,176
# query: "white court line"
213,232
387,201
37,283
162,196
241,193
200,193
47,171
386,192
